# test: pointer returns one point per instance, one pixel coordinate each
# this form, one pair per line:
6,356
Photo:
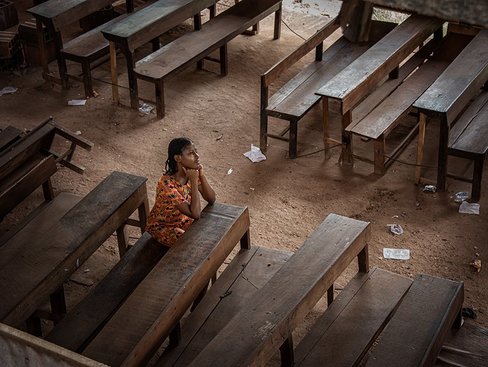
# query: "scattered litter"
77,102
251,188
145,108
230,171
395,229
86,270
468,312
77,132
395,216
469,208
430,188
219,137
7,90
461,196
255,154
396,253
476,264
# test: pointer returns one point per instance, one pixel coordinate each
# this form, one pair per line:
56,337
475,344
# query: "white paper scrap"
255,154
7,90
77,102
469,208
396,253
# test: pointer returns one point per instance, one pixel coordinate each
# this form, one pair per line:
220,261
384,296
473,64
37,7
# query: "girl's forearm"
207,192
195,205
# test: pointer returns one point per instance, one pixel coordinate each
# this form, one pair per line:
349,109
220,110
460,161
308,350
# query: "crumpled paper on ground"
396,253
469,208
255,154
7,90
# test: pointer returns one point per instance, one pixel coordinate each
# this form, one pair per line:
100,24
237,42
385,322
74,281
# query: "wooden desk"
447,97
144,26
56,14
33,267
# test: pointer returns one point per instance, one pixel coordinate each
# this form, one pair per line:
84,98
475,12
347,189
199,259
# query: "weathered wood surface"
460,82
8,136
348,328
155,307
248,272
257,331
415,334
357,79
90,315
19,348
467,12
29,274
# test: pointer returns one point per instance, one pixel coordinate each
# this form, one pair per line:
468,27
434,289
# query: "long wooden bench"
297,96
448,96
388,114
147,317
35,265
358,79
195,46
266,321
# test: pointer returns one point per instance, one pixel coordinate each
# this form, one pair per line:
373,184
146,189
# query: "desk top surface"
53,9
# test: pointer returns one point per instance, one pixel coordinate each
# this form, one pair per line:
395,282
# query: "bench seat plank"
366,71
415,334
383,117
155,307
257,331
248,272
94,310
51,258
459,82
368,301
8,136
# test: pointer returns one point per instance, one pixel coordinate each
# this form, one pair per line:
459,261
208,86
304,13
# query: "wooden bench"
383,319
266,320
388,114
57,15
35,262
358,79
149,314
448,96
195,46
469,139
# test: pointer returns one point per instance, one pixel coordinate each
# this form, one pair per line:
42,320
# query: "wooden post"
346,156
113,70
224,62
159,88
293,139
379,155
42,48
442,158
325,126
263,124
420,147
277,23
477,176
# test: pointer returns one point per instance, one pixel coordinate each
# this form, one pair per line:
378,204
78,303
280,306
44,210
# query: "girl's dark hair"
175,147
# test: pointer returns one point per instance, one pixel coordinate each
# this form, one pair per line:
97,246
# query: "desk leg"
113,70
143,210
58,304
346,156
287,352
325,126
277,23
442,160
122,239
420,147
63,71
246,241
42,49
134,101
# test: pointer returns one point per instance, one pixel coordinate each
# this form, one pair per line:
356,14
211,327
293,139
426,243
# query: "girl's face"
189,157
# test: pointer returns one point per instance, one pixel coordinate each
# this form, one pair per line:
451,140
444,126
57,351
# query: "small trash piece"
77,102
476,264
255,154
395,229
469,208
230,171
145,108
468,312
396,254
430,188
461,196
77,132
219,137
7,90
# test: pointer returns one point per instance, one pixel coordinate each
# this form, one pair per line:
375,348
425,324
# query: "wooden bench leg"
197,22
213,11
224,65
330,295
87,79
63,71
33,326
122,239
287,353
255,28
142,211
159,87
58,304
442,157
47,190
293,139
277,23
175,336
477,175
263,131
246,241
155,44
325,126
395,73
346,156
363,260
420,147
379,155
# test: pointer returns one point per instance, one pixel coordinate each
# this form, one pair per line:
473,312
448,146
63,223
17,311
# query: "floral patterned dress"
165,217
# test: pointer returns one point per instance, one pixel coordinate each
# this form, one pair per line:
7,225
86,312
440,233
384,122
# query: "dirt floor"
287,198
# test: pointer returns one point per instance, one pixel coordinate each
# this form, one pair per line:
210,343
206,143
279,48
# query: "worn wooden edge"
31,348
78,140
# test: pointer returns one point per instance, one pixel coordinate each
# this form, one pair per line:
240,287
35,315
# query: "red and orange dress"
165,217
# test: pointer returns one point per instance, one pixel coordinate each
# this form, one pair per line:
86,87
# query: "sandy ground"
287,198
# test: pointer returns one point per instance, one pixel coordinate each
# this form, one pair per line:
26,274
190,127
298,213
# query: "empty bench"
148,315
195,46
39,258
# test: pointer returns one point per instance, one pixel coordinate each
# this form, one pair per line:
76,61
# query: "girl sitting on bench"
177,194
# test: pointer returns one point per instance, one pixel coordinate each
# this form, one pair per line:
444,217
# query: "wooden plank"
356,80
460,82
16,346
51,258
155,307
258,330
95,309
474,138
344,333
385,116
8,136
434,303
23,186
248,272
